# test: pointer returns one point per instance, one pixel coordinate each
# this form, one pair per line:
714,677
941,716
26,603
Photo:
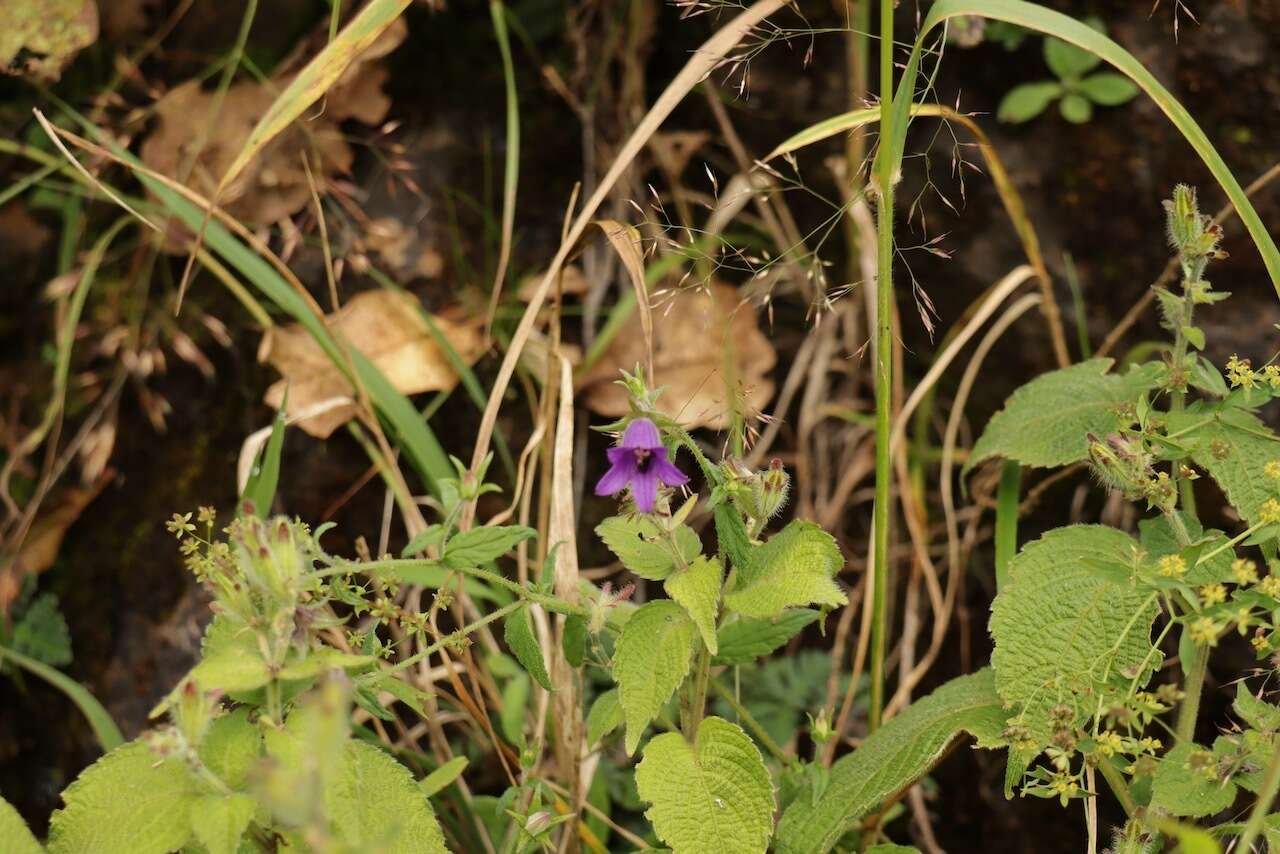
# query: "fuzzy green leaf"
636,540
1234,446
1258,714
605,716
796,567
519,634
574,639
712,795
231,747
1108,88
1185,791
1024,102
482,545
219,821
128,802
891,759
651,660
1159,540
1047,421
375,805
42,634
746,639
1065,633
15,836
697,589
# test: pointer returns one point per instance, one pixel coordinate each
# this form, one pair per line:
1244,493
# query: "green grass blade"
104,728
261,486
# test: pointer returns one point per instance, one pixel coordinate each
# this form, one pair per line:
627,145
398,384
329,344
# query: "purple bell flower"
641,462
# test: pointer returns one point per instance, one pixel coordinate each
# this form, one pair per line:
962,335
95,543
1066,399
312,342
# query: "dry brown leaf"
691,331
403,248
674,149
384,326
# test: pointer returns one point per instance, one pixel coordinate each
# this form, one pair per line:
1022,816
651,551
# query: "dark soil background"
1093,191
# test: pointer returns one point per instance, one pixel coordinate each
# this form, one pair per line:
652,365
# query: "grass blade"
104,728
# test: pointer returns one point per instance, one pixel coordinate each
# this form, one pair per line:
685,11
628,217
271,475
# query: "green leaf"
1206,377
260,488
1194,336
15,836
231,747
574,639
433,574
712,795
1066,634
797,566
443,776
745,639
1184,791
636,540
1066,60
1075,108
128,802
1047,421
375,805
317,661
42,633
1258,714
732,535
1024,102
104,728
518,632
1107,88
605,716
1159,540
219,821
231,660
891,759
697,589
482,545
1233,446
651,660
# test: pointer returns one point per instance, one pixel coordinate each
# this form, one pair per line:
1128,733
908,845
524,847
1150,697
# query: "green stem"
546,600
1262,806
492,616
749,721
1118,786
696,700
883,367
1190,709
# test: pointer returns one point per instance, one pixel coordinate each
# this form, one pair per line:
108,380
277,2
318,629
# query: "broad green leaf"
651,660
1024,102
1075,108
745,639
1064,633
697,589
219,821
712,795
732,535
15,836
1182,790
518,632
230,660
1258,714
796,567
482,545
1233,446
1191,839
231,747
1108,88
574,639
638,543
1047,421
128,802
1066,60
42,633
375,805
439,779
104,728
604,717
1159,540
892,759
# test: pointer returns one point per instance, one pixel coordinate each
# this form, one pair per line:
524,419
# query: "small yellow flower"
1272,469
1243,618
1269,513
1271,375
1260,644
1270,586
1240,372
1244,571
1151,744
1173,566
1213,594
1110,743
1204,631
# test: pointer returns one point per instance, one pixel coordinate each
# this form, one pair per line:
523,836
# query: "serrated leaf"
1159,540
42,634
636,540
231,747
1206,377
440,778
796,567
713,795
697,589
219,821
574,639
1234,446
1024,102
651,660
732,534
1065,633
128,802
1184,791
1108,88
518,632
744,640
230,660
604,717
1047,421
891,759
483,545
318,661
15,836
375,805
1258,714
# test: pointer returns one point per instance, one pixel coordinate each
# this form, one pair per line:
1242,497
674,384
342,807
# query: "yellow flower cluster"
1244,571
1242,375
1269,513
1172,566
1213,594
1204,631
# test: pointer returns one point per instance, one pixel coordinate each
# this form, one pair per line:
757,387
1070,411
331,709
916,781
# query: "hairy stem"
1118,786
1190,708
884,366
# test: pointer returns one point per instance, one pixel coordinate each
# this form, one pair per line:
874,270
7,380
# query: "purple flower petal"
644,489
618,475
641,433
665,470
